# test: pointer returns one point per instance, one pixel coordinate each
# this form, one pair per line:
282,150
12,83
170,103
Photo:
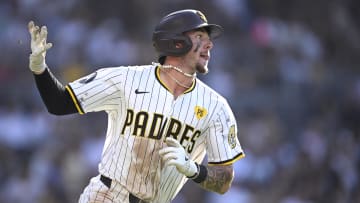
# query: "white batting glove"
174,154
39,46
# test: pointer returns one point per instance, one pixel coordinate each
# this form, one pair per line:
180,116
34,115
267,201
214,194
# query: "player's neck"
176,81
179,64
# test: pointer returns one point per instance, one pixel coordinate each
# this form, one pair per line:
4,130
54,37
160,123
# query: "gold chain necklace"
177,69
177,81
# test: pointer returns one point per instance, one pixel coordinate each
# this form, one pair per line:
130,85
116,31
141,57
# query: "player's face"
199,56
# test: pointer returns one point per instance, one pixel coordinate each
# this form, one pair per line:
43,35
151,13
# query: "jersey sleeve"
222,144
98,91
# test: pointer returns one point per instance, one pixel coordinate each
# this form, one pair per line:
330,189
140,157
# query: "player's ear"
179,44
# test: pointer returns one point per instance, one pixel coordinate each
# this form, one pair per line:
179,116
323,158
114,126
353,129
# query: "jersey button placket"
172,107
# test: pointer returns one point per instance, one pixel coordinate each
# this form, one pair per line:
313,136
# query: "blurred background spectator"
289,68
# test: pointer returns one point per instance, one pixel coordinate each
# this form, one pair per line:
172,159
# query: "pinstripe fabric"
138,122
96,191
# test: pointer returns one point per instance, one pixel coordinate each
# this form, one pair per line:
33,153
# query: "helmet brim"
214,30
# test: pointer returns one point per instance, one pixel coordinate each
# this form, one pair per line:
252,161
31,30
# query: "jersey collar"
157,74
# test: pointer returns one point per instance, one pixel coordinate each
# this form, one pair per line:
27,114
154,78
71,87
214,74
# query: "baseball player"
162,120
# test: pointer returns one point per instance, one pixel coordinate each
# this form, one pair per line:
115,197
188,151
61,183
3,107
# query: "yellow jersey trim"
72,95
157,73
227,162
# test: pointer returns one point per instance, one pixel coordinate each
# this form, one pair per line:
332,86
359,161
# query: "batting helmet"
170,31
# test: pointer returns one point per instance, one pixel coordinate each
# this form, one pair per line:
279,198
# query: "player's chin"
203,69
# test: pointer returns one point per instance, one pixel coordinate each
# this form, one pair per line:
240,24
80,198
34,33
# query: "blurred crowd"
289,69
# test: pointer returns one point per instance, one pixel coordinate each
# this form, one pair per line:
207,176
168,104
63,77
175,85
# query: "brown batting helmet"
170,31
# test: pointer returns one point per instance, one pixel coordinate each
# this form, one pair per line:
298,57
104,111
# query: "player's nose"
209,44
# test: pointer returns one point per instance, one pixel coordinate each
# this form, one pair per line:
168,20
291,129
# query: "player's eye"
198,36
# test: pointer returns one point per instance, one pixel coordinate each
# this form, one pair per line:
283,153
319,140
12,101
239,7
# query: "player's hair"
170,32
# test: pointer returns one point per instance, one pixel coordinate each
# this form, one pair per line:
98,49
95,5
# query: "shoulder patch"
232,137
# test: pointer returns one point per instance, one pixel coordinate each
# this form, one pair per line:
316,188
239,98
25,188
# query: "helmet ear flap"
170,44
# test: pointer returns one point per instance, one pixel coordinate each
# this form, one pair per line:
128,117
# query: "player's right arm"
56,98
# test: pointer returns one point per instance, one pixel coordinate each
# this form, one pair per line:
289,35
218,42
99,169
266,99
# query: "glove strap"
197,172
201,175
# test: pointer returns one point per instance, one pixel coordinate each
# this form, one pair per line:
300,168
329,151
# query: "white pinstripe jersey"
141,113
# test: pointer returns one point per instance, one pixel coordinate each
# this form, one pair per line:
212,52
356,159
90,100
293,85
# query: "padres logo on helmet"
202,16
170,31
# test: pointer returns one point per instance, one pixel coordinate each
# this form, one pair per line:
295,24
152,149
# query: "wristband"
197,172
202,174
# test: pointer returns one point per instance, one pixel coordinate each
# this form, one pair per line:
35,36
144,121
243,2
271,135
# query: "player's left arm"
216,178
219,178
219,172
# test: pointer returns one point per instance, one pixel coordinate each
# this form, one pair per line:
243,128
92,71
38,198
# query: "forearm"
218,179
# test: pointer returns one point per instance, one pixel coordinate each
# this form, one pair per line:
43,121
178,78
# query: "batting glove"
39,46
175,155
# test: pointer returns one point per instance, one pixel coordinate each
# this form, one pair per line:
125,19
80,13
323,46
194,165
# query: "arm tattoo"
219,178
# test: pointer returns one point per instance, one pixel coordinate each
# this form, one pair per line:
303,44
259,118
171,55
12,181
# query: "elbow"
224,189
227,184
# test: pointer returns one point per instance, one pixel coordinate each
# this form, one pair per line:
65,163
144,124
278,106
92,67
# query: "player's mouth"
205,56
